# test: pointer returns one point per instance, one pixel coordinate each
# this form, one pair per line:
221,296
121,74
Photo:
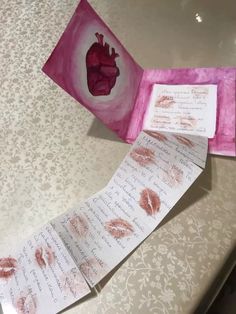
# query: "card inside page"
188,109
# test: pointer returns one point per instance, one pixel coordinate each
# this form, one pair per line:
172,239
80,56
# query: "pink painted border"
224,141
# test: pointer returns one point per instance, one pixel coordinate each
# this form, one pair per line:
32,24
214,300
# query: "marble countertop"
54,153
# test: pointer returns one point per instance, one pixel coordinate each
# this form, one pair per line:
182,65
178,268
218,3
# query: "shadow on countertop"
99,130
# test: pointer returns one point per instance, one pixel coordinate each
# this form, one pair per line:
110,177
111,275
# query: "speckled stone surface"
54,153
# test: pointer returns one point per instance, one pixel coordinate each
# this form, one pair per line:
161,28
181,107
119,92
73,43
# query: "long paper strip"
44,275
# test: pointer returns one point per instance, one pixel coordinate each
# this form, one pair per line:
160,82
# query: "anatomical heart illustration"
102,70
91,64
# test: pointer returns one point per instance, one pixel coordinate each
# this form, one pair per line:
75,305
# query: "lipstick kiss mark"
7,267
73,282
78,226
143,156
44,256
188,122
26,304
93,269
164,101
185,141
174,176
119,228
149,201
159,136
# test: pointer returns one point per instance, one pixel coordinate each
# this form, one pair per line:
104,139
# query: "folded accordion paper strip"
92,65
51,269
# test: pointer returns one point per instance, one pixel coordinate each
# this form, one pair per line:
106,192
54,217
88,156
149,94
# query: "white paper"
188,109
191,147
48,271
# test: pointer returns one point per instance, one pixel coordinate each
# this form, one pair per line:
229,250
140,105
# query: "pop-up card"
92,65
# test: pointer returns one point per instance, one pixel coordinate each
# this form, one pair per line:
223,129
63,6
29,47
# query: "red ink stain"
164,101
143,156
102,70
78,226
26,304
44,256
149,201
183,140
159,136
7,267
119,228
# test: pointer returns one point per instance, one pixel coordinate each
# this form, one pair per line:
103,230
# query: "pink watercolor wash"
118,91
108,91
224,141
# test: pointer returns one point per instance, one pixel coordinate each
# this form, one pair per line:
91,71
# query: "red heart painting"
102,70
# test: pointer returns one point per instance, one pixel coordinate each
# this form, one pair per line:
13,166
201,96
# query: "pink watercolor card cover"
100,232
40,277
223,143
91,65
187,109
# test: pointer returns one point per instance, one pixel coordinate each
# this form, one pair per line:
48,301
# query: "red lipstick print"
74,283
149,201
174,177
185,141
159,136
93,269
164,102
143,156
7,267
78,226
119,228
44,256
188,122
26,304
